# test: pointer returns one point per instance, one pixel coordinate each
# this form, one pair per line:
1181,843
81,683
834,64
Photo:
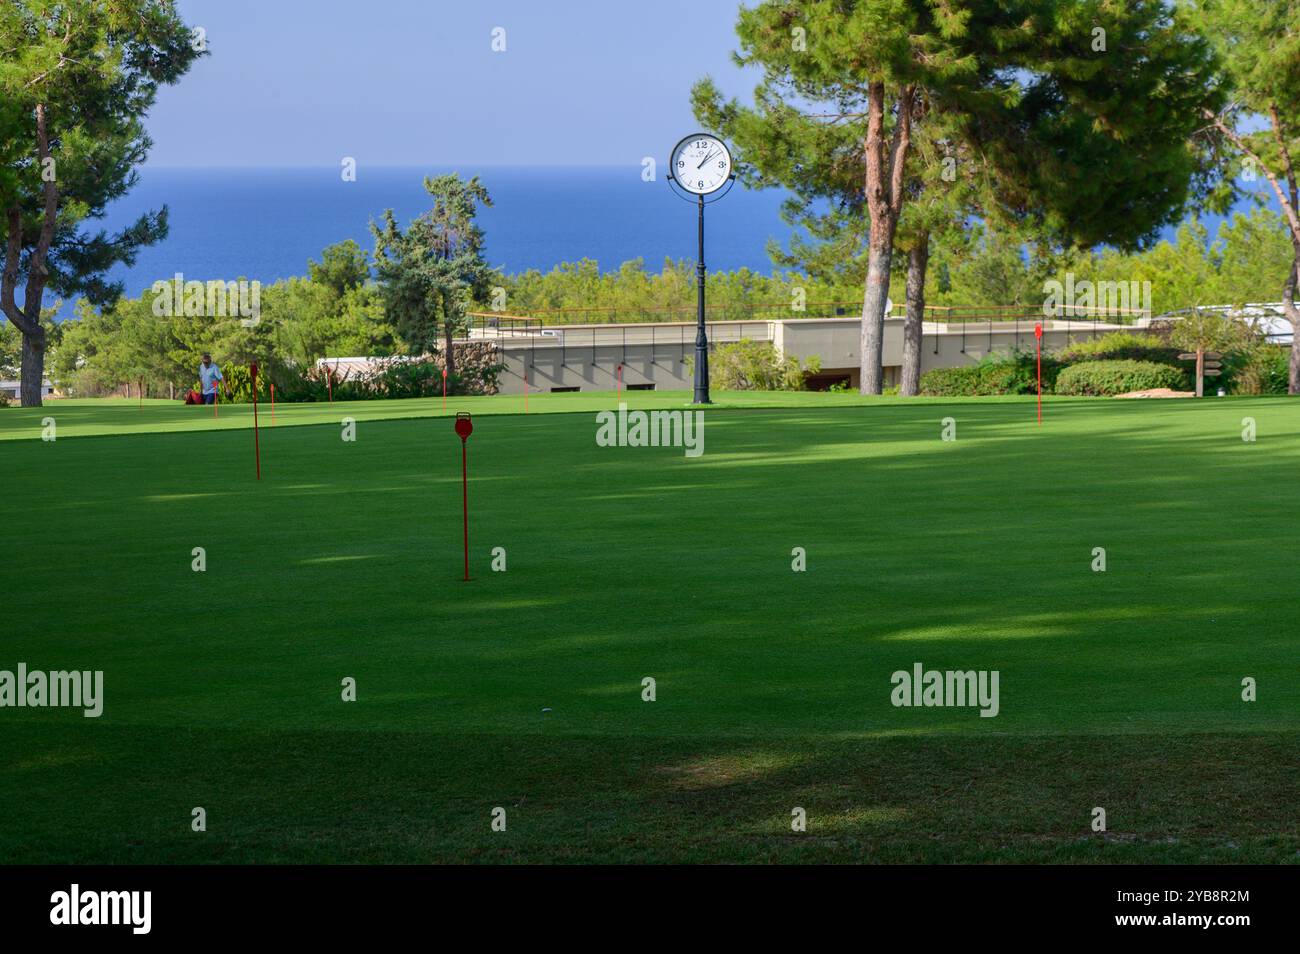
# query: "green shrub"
477,372
237,384
747,365
965,381
4,398
1017,372
1120,346
1108,378
1014,373
1259,369
1024,368
409,379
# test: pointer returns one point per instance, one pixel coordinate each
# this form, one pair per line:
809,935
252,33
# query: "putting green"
222,689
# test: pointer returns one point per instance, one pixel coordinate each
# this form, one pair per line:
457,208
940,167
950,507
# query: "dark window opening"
823,382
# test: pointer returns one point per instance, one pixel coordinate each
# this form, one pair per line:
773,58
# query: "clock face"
701,164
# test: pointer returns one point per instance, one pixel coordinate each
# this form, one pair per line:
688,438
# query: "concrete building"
12,389
655,356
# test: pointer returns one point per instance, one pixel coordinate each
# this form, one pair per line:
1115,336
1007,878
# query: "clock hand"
705,159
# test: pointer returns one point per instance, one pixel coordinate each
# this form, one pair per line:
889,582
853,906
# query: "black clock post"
692,178
701,334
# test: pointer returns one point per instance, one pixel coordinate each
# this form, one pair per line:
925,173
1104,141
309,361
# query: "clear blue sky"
415,82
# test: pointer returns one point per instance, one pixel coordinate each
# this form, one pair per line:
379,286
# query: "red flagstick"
444,392
257,447
1038,341
273,404
464,428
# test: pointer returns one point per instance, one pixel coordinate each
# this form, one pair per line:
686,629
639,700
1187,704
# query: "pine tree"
1074,116
76,80
430,273
1258,42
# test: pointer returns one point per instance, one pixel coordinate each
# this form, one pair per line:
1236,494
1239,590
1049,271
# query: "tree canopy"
1075,117
430,272
1258,125
76,80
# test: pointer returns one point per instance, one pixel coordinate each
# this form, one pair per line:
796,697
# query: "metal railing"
973,325
491,325
516,334
783,311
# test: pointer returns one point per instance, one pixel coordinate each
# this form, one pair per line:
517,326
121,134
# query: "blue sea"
266,223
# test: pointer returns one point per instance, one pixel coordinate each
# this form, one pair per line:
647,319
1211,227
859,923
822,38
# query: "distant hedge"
1120,346
748,365
1108,378
477,372
1260,369
1016,373
972,380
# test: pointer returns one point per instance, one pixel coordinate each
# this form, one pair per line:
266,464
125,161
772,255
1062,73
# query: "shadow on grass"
411,798
913,545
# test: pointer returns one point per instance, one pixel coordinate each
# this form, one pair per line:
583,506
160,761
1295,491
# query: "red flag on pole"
1038,341
464,428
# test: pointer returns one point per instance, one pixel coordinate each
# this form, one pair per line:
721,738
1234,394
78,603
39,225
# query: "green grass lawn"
1119,690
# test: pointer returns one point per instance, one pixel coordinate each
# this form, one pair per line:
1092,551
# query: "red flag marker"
464,428
444,389
1038,342
257,447
273,404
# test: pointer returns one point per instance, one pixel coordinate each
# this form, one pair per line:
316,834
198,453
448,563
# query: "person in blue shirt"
209,375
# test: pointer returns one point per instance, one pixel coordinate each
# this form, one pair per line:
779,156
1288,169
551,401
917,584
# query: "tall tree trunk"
918,260
1293,222
450,361
451,354
33,369
28,319
873,318
1288,198
884,194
